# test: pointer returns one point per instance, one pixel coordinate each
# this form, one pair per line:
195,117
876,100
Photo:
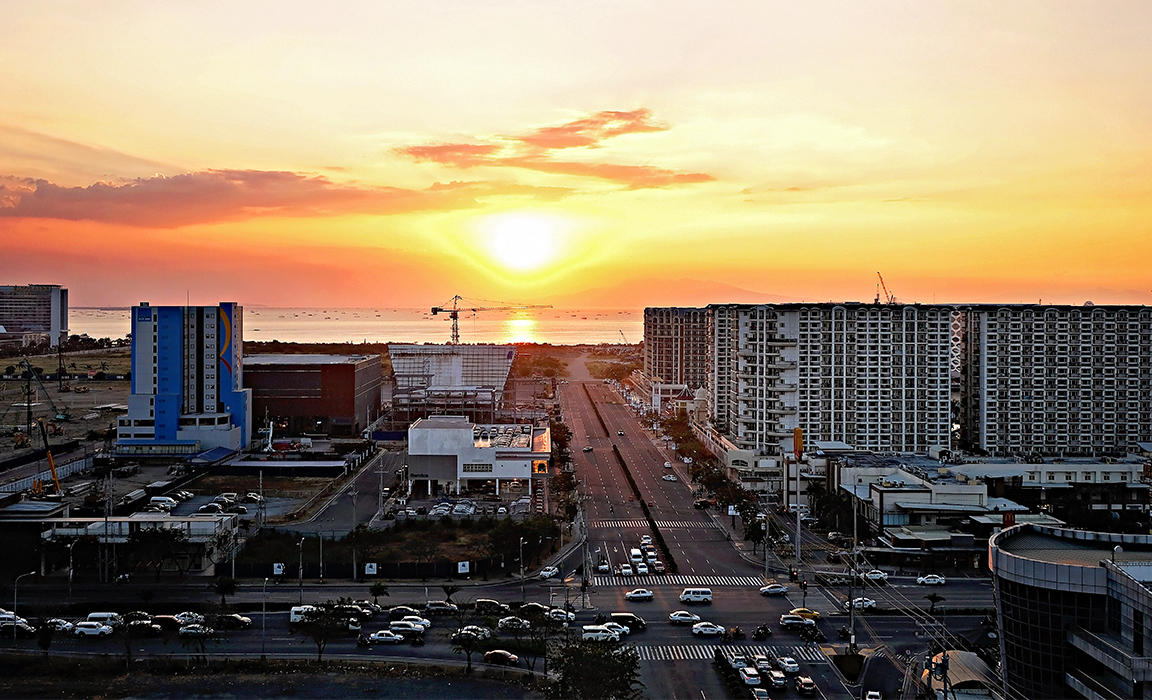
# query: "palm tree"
376,590
224,586
934,598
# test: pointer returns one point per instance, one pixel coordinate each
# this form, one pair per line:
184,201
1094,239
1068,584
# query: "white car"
876,575
641,569
405,628
750,676
860,604
417,620
190,618
646,539
667,465
638,594
91,629
788,665
599,633
560,615
59,624
873,695
513,623
931,580
774,589
385,637
474,631
683,617
618,628
604,567
707,629
625,569
549,572
669,477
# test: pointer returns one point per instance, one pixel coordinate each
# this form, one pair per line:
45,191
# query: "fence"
62,471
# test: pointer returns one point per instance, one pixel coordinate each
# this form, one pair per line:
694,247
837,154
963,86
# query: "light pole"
263,617
70,546
15,587
352,532
300,570
523,594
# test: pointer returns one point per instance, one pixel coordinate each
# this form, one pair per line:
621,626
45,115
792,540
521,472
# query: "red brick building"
336,395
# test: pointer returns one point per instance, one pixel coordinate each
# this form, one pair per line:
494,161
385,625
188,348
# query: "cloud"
232,195
533,151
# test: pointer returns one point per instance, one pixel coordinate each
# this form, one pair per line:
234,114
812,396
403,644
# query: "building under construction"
459,380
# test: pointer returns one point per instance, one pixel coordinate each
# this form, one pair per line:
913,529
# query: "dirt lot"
299,487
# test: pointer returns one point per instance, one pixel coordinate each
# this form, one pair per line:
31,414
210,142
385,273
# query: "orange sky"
395,154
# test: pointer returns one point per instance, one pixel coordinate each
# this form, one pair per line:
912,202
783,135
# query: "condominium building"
35,310
187,381
872,376
677,346
1057,380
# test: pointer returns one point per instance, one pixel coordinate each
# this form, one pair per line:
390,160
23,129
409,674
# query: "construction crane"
625,338
454,310
889,298
48,453
61,415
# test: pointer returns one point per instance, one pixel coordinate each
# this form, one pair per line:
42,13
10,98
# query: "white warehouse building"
453,455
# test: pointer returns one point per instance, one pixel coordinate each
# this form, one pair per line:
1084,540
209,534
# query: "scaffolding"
467,380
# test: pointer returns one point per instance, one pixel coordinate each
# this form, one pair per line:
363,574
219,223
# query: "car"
604,567
805,685
787,664
774,589
806,613
385,637
860,604
251,497
669,477
17,630
501,657
190,618
667,465
876,575
549,572
598,633
152,508
144,628
533,609
789,621
167,622
135,616
400,611
587,448
439,607
59,624
211,508
776,678
808,520
762,663
91,629
416,620
229,496
620,433
645,539
501,511
683,617
407,629
641,569
232,622
473,631
707,629
625,569
513,623
873,695
236,508
560,615
196,631
223,500
738,661
931,580
749,676
658,567
834,535
621,630
638,594
759,694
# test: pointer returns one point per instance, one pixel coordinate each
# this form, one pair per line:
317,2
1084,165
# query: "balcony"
1089,687
1112,653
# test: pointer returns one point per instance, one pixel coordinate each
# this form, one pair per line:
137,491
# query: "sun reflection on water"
520,330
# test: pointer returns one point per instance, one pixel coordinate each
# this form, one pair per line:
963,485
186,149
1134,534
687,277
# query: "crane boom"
889,298
61,415
454,310
48,451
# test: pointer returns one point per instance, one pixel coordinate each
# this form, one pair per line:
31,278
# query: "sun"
523,241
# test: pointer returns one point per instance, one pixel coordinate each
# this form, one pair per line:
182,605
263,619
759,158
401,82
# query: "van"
630,620
598,633
636,555
164,502
794,507
300,613
487,606
106,618
696,595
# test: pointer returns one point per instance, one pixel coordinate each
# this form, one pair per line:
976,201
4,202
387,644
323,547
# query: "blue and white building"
187,382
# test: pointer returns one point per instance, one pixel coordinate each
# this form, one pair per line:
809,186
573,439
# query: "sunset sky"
611,153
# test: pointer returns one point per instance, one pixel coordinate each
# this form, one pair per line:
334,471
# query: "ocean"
333,325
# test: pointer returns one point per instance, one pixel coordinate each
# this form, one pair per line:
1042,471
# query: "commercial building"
1075,612
187,382
33,312
453,455
1057,380
462,380
315,394
677,346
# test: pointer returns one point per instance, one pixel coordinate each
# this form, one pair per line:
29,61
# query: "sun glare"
521,241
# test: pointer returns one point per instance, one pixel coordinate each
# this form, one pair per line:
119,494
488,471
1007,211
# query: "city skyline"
582,155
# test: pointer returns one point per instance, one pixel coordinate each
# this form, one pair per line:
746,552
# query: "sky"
390,153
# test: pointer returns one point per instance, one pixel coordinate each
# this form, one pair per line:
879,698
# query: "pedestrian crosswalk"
679,652
677,580
660,524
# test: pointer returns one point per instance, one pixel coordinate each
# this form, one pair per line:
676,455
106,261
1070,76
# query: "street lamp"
523,594
70,546
263,617
15,587
300,570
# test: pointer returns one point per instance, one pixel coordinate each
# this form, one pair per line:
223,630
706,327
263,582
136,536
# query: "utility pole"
352,533
300,571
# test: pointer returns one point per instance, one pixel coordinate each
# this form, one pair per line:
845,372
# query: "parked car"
168,623
91,629
774,589
18,630
58,624
501,657
561,615
190,618
513,623
931,580
683,617
638,594
135,616
210,508
873,695
236,508
385,637
707,629
196,631
253,498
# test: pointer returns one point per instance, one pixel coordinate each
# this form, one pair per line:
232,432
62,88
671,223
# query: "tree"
376,590
449,591
934,598
44,637
422,549
595,670
322,624
153,546
224,586
466,644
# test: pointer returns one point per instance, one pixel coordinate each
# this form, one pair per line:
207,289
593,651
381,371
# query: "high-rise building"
187,381
677,346
1057,380
873,376
35,309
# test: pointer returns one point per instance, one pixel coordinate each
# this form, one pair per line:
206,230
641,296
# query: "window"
475,468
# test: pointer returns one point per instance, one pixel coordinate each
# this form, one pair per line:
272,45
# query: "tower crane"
889,298
454,310
625,338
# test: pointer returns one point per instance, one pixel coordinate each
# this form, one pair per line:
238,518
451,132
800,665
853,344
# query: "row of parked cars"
136,623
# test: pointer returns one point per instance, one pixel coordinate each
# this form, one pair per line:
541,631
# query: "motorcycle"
363,641
761,633
736,633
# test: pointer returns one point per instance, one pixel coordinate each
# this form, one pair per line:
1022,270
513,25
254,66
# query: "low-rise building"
335,395
451,454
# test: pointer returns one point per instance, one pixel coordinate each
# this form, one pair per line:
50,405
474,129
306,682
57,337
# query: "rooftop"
1077,547
275,359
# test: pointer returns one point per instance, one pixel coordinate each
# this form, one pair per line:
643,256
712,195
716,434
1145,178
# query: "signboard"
731,510
798,442
370,569
277,569
462,567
